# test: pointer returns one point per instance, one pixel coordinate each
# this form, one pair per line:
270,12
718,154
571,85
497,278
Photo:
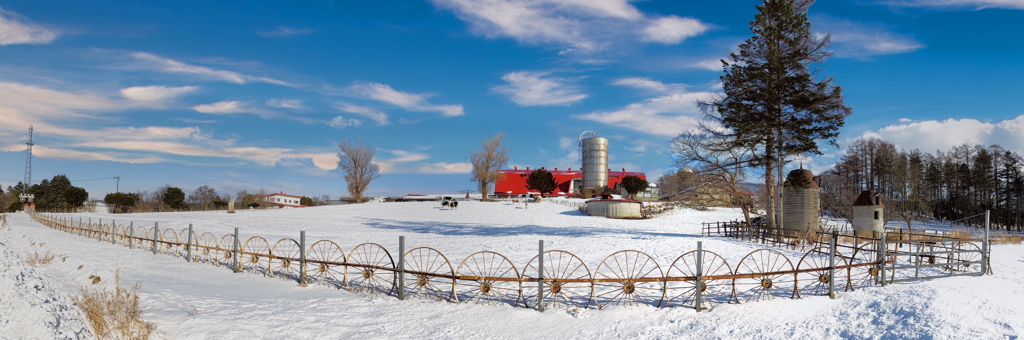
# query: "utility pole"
28,160
117,187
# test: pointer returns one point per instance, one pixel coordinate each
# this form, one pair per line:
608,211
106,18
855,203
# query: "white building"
282,200
867,213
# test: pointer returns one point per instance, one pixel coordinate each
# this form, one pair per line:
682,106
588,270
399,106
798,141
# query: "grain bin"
594,151
867,213
801,203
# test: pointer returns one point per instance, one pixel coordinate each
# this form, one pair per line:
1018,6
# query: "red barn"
513,182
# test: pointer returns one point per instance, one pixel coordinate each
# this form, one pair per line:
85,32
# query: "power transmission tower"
28,160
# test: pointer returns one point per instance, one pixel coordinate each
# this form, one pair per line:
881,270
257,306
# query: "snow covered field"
199,301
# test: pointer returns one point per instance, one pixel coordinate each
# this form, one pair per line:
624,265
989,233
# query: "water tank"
594,151
614,208
800,204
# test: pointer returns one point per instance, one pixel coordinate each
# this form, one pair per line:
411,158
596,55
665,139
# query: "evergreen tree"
772,103
174,197
634,184
542,181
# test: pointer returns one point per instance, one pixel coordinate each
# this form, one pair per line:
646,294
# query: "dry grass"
36,260
1006,239
115,314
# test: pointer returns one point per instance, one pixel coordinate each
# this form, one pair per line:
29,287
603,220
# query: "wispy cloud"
577,25
405,100
166,65
294,104
341,122
669,114
14,29
528,88
956,4
672,29
224,107
155,94
446,168
380,118
285,31
854,39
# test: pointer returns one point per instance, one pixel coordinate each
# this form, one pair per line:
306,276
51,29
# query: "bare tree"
203,196
356,160
717,165
487,162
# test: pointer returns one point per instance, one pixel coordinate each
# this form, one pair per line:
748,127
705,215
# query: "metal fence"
698,279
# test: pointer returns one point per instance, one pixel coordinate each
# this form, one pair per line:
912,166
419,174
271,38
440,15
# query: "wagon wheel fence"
699,279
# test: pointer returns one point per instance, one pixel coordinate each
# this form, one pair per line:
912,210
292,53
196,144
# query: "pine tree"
542,181
772,102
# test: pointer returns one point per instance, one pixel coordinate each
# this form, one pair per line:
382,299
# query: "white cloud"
286,103
14,31
405,100
340,122
854,39
173,66
446,168
577,25
673,30
666,115
640,147
709,64
284,31
155,93
528,88
380,118
648,84
976,4
224,107
930,135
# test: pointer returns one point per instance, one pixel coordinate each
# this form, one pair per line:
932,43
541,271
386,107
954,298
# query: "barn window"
876,215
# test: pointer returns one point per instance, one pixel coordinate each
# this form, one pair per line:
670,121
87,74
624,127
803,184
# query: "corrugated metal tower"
28,160
594,154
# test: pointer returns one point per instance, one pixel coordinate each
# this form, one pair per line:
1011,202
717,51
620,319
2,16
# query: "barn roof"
867,197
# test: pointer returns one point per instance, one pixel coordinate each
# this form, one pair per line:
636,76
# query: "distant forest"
965,181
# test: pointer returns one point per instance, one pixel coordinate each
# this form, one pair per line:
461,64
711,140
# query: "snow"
195,300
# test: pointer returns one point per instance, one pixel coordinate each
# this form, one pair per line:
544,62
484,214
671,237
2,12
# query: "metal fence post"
401,267
88,228
917,262
99,230
113,229
700,281
540,276
302,258
156,235
832,264
984,248
131,235
882,254
234,252
188,247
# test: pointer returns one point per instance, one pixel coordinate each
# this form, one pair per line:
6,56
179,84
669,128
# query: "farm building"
567,182
282,200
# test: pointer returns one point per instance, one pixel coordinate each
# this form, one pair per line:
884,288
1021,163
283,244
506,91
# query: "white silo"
594,151
867,213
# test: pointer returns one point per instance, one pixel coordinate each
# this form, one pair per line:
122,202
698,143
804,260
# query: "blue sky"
249,95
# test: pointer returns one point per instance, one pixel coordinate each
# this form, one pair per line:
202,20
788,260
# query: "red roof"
283,194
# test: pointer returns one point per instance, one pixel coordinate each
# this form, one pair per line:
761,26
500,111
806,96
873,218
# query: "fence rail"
697,279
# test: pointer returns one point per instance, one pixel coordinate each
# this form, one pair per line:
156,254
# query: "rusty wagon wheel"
769,275
628,278
715,286
423,266
255,256
371,269
867,273
324,264
494,280
816,282
286,259
205,250
567,281
184,241
967,252
224,250
171,247
104,233
118,234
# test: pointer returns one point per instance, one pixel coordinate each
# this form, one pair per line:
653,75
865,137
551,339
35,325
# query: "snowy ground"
193,300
